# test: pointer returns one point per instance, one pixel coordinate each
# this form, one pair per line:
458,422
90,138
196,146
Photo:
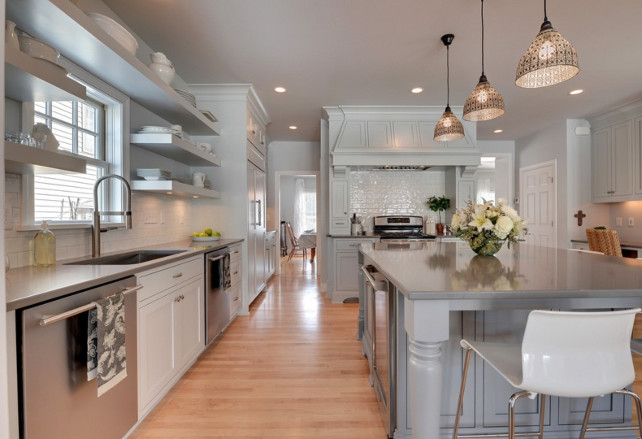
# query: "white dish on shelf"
153,174
205,238
38,49
115,30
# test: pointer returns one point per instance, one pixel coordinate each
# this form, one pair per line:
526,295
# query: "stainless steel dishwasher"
57,401
217,301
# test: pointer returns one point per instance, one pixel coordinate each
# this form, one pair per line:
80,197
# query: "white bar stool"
565,354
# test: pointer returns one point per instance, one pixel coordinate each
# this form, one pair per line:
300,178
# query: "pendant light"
448,128
484,103
549,60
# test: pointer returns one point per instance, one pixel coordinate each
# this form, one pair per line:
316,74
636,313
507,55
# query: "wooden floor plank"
291,369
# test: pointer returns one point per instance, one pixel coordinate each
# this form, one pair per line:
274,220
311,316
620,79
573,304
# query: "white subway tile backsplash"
76,243
394,192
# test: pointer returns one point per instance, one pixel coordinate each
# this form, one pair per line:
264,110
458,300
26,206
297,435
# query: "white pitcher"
198,179
162,67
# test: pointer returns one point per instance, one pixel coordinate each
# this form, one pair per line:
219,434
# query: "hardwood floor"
291,369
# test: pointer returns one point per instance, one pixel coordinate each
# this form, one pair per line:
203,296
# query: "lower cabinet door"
155,348
189,315
346,271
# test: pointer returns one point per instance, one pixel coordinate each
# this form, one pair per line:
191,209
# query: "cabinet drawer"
339,223
235,253
343,245
235,272
168,276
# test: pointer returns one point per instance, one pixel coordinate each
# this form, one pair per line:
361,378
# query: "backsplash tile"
173,225
393,192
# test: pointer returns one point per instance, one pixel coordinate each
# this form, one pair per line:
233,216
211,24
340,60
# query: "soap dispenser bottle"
44,247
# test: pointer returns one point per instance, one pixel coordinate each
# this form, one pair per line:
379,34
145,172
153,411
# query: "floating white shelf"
175,148
171,187
22,159
29,79
64,26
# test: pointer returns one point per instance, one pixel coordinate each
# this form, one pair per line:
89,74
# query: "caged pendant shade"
549,60
448,128
484,103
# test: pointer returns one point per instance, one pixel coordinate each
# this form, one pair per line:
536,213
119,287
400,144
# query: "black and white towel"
227,277
106,355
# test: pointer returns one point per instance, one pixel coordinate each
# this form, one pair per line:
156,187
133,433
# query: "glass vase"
487,247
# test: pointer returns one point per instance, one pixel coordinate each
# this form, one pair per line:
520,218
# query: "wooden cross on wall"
579,215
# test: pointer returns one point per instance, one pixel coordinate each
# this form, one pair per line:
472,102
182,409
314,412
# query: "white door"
538,201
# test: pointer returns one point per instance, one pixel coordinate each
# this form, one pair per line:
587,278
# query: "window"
78,127
309,211
94,129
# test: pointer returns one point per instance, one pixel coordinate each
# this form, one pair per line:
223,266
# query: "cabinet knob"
177,299
235,299
176,276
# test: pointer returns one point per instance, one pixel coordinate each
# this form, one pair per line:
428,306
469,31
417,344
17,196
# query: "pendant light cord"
482,38
448,76
545,15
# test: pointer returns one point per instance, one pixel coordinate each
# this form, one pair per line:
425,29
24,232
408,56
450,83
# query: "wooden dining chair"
294,242
605,241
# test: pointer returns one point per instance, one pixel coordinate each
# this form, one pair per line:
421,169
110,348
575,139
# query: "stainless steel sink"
129,258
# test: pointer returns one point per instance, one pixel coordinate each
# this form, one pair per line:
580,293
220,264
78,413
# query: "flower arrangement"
486,227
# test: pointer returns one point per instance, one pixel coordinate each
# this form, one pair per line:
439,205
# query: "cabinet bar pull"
48,320
176,276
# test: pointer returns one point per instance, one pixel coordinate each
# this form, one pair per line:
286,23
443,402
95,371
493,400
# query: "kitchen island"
443,292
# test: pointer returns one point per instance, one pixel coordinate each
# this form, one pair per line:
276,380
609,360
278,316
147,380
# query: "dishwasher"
217,301
56,400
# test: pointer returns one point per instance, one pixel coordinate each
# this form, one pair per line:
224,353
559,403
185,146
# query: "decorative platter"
205,238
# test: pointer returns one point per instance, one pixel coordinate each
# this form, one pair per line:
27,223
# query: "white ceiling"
372,52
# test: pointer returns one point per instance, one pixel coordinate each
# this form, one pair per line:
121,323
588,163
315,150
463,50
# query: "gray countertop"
449,270
27,286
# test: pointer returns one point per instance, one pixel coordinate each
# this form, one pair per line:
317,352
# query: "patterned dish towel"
106,359
227,278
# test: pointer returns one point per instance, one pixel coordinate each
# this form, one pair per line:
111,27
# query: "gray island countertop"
449,270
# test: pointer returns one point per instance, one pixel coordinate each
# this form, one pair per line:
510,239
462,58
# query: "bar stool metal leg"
461,392
511,412
638,409
541,415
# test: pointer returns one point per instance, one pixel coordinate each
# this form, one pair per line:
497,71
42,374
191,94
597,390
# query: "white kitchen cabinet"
611,162
270,252
171,327
339,221
256,231
346,267
256,132
236,273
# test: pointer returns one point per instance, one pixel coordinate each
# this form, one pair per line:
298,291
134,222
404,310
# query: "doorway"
538,191
297,203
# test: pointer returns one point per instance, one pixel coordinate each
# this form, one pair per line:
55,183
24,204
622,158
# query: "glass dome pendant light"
549,60
484,103
449,128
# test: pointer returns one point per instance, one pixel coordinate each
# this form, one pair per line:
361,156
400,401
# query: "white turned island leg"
427,326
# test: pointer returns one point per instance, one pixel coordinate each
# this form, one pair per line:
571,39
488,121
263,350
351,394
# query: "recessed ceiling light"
417,90
280,89
293,127
576,92
498,131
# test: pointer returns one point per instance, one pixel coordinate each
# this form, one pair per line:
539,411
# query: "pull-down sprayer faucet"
127,214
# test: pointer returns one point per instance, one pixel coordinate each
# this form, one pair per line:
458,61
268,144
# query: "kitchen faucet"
127,214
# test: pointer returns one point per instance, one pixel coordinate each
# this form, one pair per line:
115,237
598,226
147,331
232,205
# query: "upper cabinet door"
622,164
600,163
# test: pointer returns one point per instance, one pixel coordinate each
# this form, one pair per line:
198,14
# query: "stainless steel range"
401,228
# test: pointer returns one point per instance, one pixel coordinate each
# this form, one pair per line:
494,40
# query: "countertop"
633,244
28,286
452,271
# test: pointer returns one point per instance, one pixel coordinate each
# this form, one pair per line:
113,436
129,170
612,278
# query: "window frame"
116,128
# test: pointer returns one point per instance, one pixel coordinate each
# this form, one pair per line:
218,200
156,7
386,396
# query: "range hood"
396,138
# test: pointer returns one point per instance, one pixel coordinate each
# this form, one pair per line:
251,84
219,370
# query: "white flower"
454,223
512,213
503,227
480,222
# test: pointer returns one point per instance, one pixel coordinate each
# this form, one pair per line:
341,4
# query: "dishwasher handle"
372,280
48,320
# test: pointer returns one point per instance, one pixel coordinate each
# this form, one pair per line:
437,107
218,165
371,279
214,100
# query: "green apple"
216,234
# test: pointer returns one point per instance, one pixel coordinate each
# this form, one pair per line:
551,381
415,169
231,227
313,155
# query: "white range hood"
376,136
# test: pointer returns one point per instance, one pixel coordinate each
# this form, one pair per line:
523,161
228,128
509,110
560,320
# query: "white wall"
578,187
548,144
